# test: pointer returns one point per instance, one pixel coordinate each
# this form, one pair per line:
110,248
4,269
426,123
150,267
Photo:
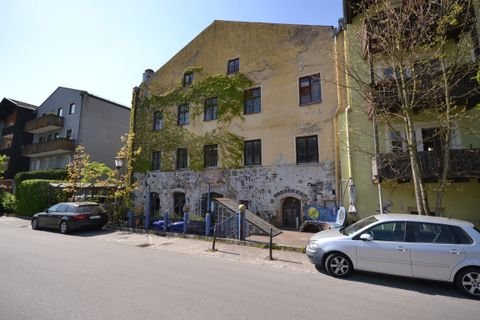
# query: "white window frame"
455,142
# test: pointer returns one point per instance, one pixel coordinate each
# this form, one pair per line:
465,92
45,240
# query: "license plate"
95,217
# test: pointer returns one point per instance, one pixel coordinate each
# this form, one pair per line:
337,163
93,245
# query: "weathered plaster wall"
274,57
264,187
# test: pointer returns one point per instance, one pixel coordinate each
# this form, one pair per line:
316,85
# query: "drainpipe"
335,129
347,110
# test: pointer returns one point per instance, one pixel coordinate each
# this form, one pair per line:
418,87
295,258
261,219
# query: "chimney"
147,74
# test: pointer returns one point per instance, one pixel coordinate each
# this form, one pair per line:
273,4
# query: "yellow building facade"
286,125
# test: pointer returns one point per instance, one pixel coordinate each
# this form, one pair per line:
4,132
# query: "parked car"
69,216
405,245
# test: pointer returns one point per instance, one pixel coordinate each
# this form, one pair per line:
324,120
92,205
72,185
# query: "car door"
58,214
388,252
46,220
435,250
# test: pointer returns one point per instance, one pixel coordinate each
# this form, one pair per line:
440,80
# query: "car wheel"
34,224
338,265
64,227
468,281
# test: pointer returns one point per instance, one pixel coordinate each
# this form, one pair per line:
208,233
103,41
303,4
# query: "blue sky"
103,46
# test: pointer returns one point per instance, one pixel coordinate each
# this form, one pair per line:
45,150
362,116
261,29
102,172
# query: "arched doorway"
291,209
178,203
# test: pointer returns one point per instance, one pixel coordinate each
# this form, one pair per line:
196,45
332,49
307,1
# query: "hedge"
32,196
52,174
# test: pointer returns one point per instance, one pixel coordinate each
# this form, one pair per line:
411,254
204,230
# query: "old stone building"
255,123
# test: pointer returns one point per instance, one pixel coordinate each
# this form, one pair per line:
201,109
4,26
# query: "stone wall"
264,188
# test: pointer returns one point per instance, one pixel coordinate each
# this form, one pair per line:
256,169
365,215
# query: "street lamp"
118,162
118,165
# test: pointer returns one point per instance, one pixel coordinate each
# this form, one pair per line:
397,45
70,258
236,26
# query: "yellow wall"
460,199
274,56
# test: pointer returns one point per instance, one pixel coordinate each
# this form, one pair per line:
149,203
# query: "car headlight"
313,244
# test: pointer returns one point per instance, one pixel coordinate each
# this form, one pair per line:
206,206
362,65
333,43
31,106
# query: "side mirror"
366,237
46,210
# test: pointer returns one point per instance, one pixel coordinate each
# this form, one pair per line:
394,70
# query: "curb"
17,216
247,243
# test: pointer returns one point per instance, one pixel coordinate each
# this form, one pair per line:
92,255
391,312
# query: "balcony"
464,164
53,147
428,92
378,32
47,123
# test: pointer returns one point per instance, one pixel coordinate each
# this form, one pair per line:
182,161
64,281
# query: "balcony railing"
44,124
57,146
427,91
464,164
420,31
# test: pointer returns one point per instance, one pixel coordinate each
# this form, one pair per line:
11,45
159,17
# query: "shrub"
8,203
32,196
51,174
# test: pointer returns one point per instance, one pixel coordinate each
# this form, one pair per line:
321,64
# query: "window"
69,134
438,233
71,110
49,137
396,140
182,158
187,79
310,91
157,120
57,135
210,155
211,105
60,112
307,149
41,139
156,158
253,103
183,115
388,231
233,66
252,152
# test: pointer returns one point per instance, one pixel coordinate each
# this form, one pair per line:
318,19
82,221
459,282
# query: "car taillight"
80,217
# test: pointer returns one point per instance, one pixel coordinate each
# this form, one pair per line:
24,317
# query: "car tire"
468,281
34,224
338,265
63,227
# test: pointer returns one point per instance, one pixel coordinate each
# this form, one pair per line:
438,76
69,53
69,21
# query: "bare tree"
419,58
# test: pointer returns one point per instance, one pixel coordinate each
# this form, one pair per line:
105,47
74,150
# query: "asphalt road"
46,275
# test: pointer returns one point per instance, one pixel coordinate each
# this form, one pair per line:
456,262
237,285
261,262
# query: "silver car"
405,245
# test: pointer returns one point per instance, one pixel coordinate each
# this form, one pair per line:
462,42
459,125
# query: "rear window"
461,236
90,208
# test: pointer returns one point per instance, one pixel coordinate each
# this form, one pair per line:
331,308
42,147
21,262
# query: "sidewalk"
284,259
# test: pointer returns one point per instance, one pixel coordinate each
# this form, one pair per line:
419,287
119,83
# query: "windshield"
359,225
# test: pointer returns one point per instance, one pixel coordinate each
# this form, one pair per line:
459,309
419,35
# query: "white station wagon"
405,245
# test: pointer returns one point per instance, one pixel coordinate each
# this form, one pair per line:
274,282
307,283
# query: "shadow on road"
433,288
90,233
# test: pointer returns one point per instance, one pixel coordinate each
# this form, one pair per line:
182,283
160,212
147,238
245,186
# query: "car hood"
328,234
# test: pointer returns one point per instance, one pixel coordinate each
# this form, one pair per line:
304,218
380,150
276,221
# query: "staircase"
225,216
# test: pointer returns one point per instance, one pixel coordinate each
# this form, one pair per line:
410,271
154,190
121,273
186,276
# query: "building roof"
89,94
23,104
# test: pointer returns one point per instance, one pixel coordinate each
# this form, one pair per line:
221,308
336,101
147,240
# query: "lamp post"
118,165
